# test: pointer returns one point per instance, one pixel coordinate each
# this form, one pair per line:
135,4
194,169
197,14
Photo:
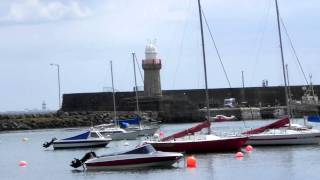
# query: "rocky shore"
58,119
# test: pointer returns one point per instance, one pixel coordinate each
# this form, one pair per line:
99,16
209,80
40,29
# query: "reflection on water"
287,162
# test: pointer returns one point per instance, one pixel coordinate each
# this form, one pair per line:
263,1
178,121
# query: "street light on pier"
59,88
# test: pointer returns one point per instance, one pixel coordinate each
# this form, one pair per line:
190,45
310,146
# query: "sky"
83,36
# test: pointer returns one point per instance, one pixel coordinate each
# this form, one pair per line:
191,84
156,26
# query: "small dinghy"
91,138
140,157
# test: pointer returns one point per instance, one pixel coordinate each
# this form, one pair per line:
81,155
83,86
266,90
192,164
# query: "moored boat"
117,133
187,141
283,132
222,118
135,124
280,133
88,139
140,157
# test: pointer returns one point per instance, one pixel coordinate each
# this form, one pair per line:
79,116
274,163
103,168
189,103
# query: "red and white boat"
187,141
140,157
281,133
222,118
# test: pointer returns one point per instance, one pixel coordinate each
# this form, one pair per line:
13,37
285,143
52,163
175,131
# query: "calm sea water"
287,162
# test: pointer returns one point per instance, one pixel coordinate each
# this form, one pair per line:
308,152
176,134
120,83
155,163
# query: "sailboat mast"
204,62
136,86
283,64
289,91
114,98
135,83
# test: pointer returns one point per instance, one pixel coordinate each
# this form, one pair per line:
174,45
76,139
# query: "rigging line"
181,46
294,51
215,46
260,37
136,59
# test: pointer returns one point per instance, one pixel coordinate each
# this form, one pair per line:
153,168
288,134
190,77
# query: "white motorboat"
140,157
88,139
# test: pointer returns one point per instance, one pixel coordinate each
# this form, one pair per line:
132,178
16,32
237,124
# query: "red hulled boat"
187,141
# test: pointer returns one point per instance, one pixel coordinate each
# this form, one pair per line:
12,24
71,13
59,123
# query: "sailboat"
283,132
142,129
190,142
115,132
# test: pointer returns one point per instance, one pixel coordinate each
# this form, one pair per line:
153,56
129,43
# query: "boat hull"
80,144
147,131
201,146
284,139
128,162
130,135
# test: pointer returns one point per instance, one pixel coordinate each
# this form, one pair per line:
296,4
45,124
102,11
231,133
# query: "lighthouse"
151,66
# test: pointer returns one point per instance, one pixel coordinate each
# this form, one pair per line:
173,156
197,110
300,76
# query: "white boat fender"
79,162
47,144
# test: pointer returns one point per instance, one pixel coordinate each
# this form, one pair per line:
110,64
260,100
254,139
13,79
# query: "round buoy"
249,148
239,158
23,163
239,154
161,133
126,144
25,139
191,162
156,135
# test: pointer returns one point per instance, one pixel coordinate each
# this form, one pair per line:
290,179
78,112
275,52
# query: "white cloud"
35,11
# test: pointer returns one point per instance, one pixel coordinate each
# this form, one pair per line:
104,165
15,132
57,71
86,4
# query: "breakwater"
59,119
62,119
183,105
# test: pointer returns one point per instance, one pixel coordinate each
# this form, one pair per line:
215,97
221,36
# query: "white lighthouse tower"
151,66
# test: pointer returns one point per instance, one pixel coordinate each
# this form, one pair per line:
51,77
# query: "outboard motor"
79,162
47,144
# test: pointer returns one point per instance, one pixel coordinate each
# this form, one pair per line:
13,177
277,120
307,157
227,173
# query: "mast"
204,64
136,86
283,64
114,98
289,91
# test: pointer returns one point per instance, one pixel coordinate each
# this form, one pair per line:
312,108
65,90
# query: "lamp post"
242,75
58,67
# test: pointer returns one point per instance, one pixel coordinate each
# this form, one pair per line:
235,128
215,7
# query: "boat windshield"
146,149
94,135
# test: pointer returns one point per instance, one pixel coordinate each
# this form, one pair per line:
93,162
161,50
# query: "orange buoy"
23,163
239,154
191,162
249,148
